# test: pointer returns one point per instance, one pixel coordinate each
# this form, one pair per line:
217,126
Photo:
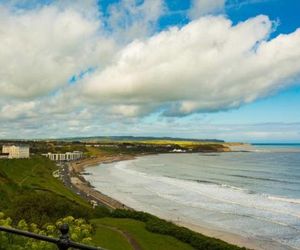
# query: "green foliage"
101,212
145,239
122,213
33,198
35,174
157,147
80,231
109,238
41,207
41,147
157,225
27,186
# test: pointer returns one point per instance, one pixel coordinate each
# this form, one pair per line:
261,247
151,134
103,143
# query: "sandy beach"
79,166
234,238
77,179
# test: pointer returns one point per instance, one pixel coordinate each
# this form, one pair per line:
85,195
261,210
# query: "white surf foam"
226,206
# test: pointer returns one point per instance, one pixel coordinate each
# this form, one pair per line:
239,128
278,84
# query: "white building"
16,152
4,155
69,156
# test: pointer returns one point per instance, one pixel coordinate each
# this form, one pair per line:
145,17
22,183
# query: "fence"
63,243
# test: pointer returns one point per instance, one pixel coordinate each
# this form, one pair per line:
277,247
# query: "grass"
180,143
33,174
109,239
147,240
30,180
92,151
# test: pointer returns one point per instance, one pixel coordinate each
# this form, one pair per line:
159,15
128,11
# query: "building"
4,155
69,156
16,152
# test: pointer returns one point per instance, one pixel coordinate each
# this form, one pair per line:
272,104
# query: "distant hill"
135,138
111,139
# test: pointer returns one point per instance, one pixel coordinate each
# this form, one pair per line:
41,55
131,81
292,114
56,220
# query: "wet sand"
79,166
77,179
235,239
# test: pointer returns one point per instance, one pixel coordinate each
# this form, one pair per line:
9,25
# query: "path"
132,241
26,177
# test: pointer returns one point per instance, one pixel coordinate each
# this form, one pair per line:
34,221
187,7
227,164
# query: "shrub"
157,225
42,207
80,231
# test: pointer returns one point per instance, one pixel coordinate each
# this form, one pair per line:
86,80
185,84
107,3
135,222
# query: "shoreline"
235,239
76,169
77,180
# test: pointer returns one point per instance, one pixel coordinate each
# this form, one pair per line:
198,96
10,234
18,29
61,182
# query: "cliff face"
206,148
224,147
240,147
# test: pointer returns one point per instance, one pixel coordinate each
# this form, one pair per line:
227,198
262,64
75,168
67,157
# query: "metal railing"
63,243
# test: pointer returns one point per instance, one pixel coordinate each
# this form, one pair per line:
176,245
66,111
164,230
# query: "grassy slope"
180,142
32,174
36,174
147,240
109,239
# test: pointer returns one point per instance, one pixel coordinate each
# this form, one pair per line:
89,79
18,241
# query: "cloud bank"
208,65
66,61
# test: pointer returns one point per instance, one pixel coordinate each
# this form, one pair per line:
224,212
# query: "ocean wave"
296,201
194,180
261,151
215,191
212,200
264,216
263,179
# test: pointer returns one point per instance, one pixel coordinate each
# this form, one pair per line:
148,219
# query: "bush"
122,213
42,207
157,225
101,212
80,231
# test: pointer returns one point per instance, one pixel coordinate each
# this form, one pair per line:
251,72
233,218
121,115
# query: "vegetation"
109,237
125,145
154,147
157,225
29,191
147,240
80,231
35,200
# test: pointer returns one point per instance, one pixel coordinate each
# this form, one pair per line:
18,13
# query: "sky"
224,69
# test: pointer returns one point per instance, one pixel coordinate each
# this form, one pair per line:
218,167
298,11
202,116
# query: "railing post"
64,239
63,243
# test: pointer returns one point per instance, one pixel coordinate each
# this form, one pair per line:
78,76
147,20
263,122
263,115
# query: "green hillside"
29,191
136,230
25,182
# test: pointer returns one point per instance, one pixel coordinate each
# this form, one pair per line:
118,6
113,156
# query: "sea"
254,194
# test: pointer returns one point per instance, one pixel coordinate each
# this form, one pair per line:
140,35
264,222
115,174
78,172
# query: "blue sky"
200,69
281,107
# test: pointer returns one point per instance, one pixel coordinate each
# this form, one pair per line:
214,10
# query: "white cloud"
131,19
208,65
15,110
204,7
41,49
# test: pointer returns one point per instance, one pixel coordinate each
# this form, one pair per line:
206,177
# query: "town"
43,181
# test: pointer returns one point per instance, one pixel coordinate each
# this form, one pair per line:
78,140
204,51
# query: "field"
29,191
136,229
33,174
